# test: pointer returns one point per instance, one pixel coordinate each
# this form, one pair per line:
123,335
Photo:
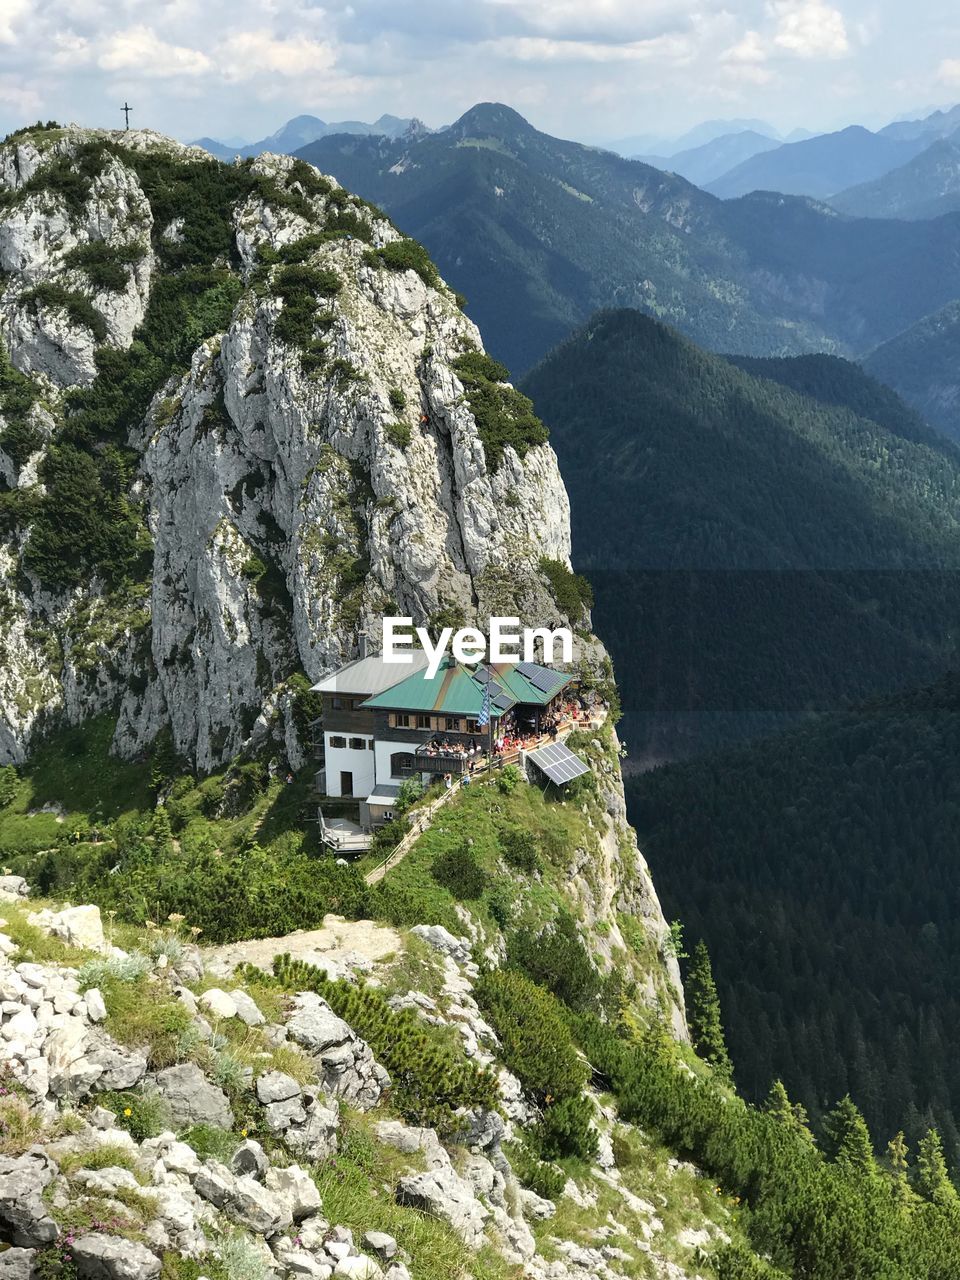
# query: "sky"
594,70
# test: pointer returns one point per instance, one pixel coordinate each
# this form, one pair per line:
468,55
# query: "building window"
451,724
402,720
402,764
423,722
371,745
473,726
337,741
357,744
336,703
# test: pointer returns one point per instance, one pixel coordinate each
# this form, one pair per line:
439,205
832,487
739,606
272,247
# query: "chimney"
362,646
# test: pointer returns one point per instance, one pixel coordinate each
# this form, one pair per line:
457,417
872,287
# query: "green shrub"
388,835
536,1041
209,1140
572,591
509,779
459,871
405,255
9,785
300,286
545,1179
253,568
504,416
107,266
397,399
398,433
565,1129
55,297
143,1115
430,1075
20,440
520,849
556,958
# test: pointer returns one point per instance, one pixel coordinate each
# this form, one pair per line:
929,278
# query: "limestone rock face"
289,506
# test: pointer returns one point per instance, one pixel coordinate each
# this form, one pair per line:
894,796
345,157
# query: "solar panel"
540,677
558,762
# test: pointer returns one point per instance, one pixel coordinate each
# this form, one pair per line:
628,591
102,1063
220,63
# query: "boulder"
219,1003
378,1242
79,927
250,1158
247,1010
96,1010
101,1257
444,1194
13,887
24,1219
345,1063
316,1138
17,1264
121,1068
358,1268
242,1199
275,1086
191,1097
459,950
295,1190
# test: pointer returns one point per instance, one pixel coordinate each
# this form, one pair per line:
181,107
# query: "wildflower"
175,917
128,1111
243,1133
151,924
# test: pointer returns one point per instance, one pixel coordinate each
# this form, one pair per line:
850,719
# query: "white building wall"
383,751
352,760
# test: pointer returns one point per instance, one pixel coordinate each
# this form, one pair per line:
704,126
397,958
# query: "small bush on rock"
459,871
565,1129
536,1040
430,1078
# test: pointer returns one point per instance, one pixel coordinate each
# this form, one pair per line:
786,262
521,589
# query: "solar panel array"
540,677
558,762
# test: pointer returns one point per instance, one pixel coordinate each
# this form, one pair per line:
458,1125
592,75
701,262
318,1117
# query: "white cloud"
138,49
949,72
252,53
10,13
543,49
810,28
748,50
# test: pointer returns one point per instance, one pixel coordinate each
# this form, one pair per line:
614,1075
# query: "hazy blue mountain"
819,166
923,365
539,233
762,542
700,135
925,187
937,124
712,159
301,130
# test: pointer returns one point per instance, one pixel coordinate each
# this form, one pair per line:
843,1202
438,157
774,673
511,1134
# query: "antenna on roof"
126,109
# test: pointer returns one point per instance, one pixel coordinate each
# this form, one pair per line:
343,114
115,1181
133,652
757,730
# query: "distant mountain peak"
491,119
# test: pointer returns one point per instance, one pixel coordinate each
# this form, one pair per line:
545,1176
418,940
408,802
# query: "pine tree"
846,1138
706,1026
897,1156
791,1114
933,1180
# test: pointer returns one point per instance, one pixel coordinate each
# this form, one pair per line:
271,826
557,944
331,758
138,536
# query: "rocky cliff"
237,384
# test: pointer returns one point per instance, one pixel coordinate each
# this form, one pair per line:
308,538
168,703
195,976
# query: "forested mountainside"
237,429
820,867
757,550
925,187
819,166
922,365
539,233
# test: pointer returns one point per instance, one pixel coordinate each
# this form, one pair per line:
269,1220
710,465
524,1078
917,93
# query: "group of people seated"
452,747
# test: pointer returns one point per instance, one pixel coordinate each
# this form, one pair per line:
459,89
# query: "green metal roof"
530,683
458,691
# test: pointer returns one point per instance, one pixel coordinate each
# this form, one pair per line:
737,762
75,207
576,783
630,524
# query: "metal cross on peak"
126,109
